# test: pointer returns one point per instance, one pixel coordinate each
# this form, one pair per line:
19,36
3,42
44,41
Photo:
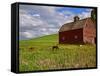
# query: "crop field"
37,54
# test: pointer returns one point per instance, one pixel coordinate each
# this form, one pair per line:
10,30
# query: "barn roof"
73,25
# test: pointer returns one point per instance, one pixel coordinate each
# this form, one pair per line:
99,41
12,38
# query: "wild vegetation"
37,54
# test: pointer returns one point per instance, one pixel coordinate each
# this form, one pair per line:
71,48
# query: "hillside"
47,38
50,39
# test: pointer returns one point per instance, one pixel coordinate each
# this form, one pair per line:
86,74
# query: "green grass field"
42,57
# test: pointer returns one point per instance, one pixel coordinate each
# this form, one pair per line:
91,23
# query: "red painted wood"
72,36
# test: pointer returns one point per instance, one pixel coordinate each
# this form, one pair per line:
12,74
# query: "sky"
36,21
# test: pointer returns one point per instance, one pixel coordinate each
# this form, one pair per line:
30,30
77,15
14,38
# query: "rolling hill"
47,38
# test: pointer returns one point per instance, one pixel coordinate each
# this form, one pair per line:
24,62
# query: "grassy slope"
41,57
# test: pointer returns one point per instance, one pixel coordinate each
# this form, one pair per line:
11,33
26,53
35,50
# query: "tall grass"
42,57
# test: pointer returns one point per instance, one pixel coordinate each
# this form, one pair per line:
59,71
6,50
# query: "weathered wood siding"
89,32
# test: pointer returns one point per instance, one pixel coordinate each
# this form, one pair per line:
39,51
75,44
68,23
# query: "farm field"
37,54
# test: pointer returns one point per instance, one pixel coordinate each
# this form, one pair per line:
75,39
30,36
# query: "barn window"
63,38
75,36
86,25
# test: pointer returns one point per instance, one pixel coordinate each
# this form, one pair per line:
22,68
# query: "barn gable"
89,32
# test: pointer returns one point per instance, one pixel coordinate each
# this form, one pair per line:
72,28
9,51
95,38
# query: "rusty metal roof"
73,25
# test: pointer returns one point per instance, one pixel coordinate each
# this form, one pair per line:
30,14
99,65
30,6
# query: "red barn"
78,31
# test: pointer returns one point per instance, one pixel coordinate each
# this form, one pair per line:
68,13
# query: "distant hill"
47,38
